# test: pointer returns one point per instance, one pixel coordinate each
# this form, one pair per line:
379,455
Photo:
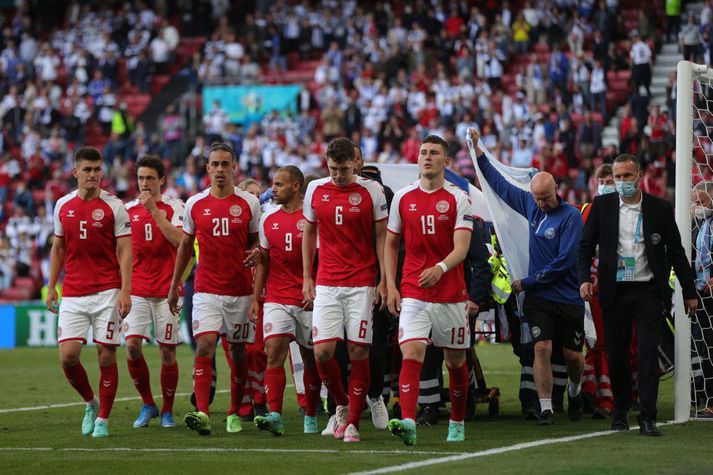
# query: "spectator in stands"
589,137
7,263
641,63
171,128
673,19
160,54
691,39
215,122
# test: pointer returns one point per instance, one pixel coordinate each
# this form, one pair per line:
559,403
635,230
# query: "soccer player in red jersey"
284,317
92,243
347,211
225,221
157,222
435,219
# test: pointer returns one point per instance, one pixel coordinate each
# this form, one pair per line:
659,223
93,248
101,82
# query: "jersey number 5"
82,230
220,226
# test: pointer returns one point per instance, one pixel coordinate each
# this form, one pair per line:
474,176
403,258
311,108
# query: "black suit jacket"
662,241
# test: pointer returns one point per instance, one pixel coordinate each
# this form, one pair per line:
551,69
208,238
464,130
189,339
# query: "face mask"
627,189
606,189
701,212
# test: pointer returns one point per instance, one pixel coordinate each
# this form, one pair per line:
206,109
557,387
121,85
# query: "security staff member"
638,243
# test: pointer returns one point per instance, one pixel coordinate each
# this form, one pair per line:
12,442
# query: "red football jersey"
154,255
428,221
222,227
281,237
90,230
345,217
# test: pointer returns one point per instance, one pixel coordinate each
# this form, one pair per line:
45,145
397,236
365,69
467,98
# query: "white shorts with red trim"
287,320
223,315
337,309
77,314
445,324
148,310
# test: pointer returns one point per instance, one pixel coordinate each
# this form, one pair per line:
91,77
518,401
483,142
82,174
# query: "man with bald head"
553,306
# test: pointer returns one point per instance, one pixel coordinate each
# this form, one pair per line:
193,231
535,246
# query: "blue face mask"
627,189
606,189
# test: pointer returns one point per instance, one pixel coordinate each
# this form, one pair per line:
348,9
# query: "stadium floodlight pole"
684,153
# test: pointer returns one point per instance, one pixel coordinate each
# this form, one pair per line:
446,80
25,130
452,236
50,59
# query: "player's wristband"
443,266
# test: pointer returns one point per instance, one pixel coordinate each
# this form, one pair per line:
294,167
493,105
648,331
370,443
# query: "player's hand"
124,303
147,200
586,290
253,310
472,308
173,301
308,291
252,257
430,277
474,136
690,305
52,300
393,302
517,286
381,295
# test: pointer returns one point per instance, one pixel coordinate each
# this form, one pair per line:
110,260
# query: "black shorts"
555,321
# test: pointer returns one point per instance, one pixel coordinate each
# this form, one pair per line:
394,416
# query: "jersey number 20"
220,227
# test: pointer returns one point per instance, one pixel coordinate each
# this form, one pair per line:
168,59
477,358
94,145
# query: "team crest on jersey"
550,233
195,325
442,206
536,332
267,327
236,210
314,332
162,212
301,225
98,214
354,199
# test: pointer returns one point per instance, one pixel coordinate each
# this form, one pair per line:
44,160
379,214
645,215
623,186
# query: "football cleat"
90,415
148,412
404,429
379,413
456,432
233,424
331,426
198,422
101,429
310,425
351,434
271,423
167,420
342,418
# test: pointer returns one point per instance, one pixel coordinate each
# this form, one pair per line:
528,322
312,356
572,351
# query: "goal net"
694,202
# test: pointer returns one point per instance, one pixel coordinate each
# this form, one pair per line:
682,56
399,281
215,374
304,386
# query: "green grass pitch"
49,440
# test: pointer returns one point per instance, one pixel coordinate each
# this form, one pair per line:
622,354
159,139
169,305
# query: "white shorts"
445,324
148,310
223,315
287,320
340,308
99,310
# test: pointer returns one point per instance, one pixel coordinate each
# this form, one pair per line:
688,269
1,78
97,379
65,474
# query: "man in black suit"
638,244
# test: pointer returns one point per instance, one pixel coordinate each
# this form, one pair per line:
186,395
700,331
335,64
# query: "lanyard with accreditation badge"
625,266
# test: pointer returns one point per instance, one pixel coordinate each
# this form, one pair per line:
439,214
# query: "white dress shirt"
631,243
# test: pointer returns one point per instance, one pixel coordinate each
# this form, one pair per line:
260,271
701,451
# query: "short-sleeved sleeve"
255,219
189,226
395,225
122,224
179,210
307,209
264,243
58,229
381,209
464,212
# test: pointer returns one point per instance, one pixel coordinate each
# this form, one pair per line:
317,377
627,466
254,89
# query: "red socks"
169,381
459,392
409,380
313,385
77,377
139,372
359,381
331,376
108,382
202,377
275,382
238,378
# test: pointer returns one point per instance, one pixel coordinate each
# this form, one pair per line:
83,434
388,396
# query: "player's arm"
391,256
380,231
261,272
172,233
183,256
57,254
309,249
123,252
461,244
